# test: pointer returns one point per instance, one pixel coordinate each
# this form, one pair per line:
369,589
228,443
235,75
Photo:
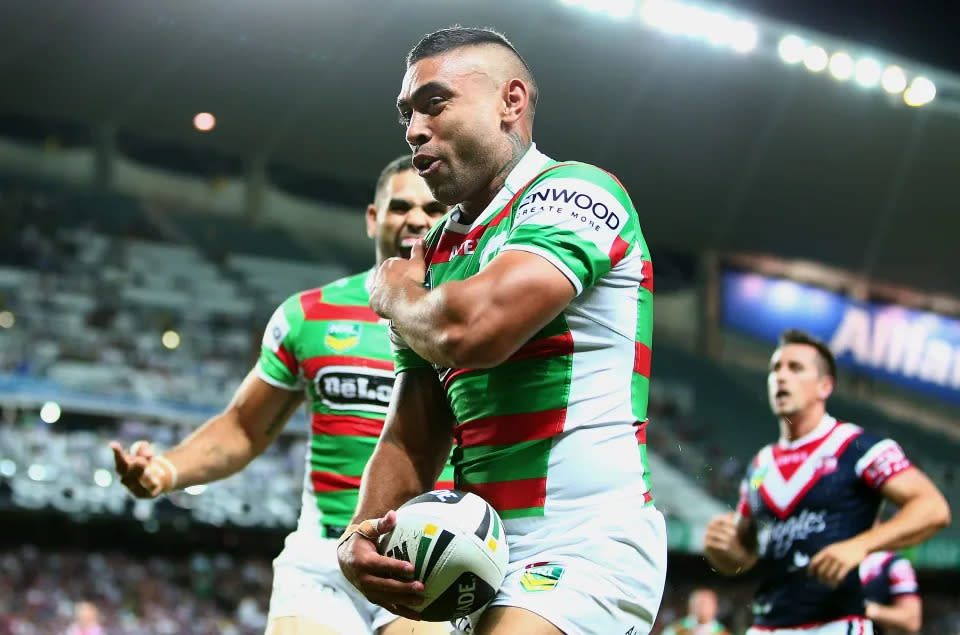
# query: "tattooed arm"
222,446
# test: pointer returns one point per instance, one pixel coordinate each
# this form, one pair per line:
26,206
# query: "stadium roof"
720,150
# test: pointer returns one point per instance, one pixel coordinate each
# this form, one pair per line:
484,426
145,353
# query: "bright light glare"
7,468
815,58
684,19
893,80
37,472
194,490
615,8
744,37
50,412
791,49
102,477
7,320
921,91
170,339
841,66
868,72
204,121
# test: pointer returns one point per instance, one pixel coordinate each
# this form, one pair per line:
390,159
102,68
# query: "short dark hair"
454,37
398,165
828,365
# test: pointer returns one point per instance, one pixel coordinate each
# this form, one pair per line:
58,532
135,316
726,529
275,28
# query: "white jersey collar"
823,429
531,164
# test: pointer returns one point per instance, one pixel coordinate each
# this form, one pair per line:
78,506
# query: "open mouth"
781,394
426,164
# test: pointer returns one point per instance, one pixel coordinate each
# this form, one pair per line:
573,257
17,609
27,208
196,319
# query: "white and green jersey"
328,343
559,427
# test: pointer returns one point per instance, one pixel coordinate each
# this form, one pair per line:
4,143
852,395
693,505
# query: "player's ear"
371,220
825,387
516,100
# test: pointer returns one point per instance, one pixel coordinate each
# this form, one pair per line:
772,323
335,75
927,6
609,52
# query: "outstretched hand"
385,581
139,472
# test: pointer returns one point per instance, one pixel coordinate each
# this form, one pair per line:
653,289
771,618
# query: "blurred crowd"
206,594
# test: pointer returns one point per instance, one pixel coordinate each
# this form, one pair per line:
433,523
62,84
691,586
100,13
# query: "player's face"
703,606
405,210
795,382
452,117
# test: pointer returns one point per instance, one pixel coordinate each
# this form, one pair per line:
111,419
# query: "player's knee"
408,627
509,620
299,626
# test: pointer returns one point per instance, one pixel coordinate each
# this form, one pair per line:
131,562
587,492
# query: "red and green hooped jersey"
557,426
329,343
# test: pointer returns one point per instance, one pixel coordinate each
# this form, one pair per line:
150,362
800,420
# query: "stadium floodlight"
815,58
102,477
744,36
204,121
50,412
7,468
867,72
893,80
921,92
615,8
170,339
791,49
841,66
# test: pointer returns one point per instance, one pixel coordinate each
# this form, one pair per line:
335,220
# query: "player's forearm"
906,616
433,323
918,519
217,449
390,479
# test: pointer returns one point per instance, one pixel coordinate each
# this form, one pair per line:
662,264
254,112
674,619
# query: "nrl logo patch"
342,336
542,576
757,479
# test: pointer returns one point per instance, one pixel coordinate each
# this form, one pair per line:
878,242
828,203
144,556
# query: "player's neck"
518,145
800,424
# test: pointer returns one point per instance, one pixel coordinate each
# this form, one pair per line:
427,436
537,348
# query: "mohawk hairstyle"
828,365
454,37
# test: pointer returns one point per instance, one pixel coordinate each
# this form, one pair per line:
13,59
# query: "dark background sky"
925,30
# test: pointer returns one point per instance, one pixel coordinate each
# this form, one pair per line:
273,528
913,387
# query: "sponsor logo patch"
342,336
542,576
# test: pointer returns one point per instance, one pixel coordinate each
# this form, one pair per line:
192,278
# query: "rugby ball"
456,543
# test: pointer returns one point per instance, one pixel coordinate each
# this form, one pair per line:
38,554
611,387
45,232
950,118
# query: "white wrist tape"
169,467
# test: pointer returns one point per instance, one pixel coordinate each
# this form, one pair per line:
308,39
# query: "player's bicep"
262,409
419,421
509,301
908,485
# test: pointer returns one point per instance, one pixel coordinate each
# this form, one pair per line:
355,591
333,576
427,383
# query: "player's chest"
784,483
459,255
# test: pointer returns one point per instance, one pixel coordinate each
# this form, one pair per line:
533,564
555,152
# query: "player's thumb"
418,251
142,448
386,524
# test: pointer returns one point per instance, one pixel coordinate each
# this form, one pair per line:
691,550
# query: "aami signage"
917,349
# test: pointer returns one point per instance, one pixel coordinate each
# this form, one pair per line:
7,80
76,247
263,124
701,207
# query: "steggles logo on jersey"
782,534
342,336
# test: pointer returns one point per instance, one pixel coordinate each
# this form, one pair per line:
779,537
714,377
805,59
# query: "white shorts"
609,583
307,582
846,626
